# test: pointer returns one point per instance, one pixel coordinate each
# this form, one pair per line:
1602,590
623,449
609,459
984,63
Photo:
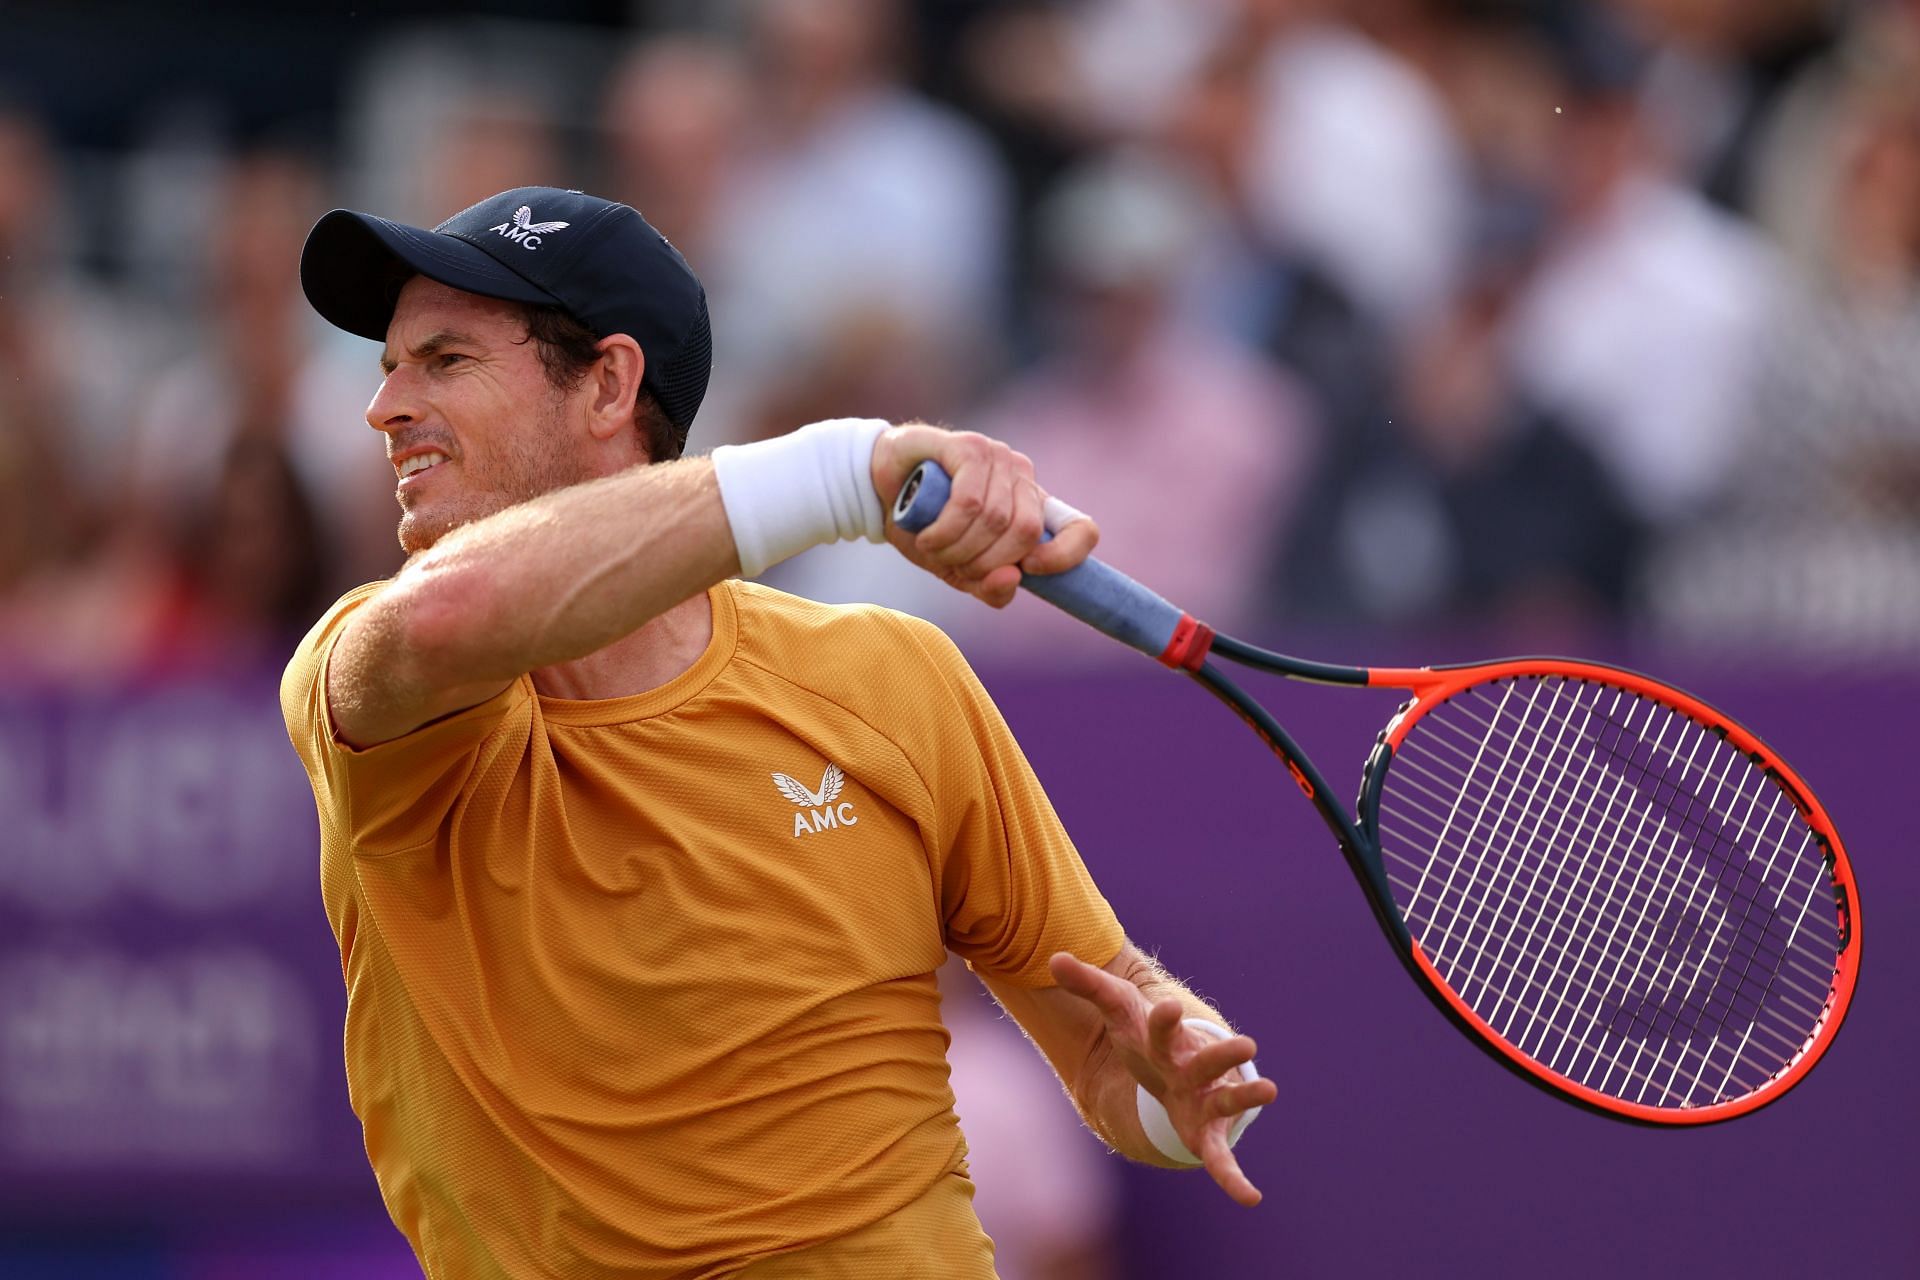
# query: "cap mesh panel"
683,383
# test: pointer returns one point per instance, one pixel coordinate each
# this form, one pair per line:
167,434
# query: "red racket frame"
1358,838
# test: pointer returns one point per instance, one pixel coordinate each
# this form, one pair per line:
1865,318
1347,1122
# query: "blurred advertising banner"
169,995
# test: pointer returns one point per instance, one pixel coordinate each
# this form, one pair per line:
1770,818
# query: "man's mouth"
420,462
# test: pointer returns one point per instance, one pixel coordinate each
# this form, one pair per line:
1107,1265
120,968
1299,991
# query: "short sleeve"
1013,890
395,795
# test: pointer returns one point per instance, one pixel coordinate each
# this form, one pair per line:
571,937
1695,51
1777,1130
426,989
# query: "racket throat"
1361,852
1189,646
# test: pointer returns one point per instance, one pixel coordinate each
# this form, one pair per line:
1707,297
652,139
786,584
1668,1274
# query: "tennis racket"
1615,890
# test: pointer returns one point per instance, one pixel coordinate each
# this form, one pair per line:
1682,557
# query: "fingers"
1022,533
1217,1156
899,450
990,530
1219,1057
1065,966
1071,544
1115,997
1208,1102
991,520
1230,1100
979,507
997,588
1163,1028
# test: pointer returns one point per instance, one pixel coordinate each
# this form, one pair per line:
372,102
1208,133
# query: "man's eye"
450,357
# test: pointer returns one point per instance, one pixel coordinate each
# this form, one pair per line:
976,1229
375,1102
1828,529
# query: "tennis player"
641,873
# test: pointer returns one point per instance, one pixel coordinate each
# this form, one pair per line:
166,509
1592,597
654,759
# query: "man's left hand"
1195,1076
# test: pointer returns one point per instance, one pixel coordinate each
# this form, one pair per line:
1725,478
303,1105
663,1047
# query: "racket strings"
1558,1064
1748,900
1539,905
1813,996
1485,920
1597,881
1668,883
1434,832
1786,1043
1559,993
1705,771
1542,988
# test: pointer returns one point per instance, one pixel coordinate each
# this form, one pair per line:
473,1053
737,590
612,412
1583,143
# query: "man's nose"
396,404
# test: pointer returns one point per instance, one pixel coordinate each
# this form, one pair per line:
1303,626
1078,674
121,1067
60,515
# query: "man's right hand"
990,531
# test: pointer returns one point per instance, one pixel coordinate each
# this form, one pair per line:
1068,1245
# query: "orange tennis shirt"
643,987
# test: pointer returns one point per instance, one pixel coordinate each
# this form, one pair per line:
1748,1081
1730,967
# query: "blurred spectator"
1356,164
1473,504
1640,327
486,141
74,351
1719,70
1817,544
856,264
1017,70
71,355
1054,83
1186,445
40,515
1269,293
674,121
263,375
1045,1190
251,570
441,114
1132,59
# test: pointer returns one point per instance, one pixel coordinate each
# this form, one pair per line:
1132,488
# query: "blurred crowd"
1373,313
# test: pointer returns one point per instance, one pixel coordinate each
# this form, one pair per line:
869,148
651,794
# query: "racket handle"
1092,591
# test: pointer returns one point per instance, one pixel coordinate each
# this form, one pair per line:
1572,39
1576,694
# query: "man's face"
465,393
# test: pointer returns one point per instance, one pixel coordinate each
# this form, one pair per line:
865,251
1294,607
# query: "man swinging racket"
641,873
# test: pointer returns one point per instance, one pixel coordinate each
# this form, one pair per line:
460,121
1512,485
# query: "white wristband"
796,491
1159,1125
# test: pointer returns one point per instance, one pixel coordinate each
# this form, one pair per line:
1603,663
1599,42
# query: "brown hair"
567,349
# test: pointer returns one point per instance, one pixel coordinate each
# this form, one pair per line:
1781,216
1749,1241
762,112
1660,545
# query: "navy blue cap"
599,261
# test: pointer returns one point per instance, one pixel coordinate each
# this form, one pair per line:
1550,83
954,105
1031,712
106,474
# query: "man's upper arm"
380,682
1011,886
303,691
391,795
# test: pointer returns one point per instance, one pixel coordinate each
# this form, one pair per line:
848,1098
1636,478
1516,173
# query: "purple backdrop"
1398,1148
171,1100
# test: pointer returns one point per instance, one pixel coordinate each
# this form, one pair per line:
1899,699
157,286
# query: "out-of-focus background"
1406,330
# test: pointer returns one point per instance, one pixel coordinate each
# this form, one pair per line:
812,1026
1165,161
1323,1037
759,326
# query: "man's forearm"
1155,983
540,583
567,573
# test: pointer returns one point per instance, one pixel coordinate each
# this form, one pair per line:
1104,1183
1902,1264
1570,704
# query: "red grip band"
1189,645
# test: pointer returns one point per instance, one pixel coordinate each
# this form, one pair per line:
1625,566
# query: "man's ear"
614,384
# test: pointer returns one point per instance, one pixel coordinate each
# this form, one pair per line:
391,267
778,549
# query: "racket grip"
1092,591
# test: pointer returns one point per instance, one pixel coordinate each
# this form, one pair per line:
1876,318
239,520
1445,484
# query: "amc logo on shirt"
818,812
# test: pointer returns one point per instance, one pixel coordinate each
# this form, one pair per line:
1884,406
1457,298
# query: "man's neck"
643,660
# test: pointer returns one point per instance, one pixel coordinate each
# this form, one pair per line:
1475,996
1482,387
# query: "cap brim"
354,265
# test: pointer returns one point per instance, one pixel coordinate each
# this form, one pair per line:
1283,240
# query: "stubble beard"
537,459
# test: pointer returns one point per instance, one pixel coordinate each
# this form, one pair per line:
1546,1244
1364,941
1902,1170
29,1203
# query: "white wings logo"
830,787
818,812
523,218
524,231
